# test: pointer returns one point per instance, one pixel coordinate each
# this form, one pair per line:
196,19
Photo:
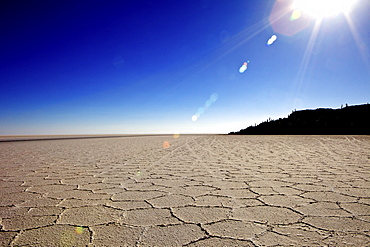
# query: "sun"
320,9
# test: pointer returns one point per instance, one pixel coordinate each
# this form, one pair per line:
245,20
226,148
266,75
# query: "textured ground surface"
186,191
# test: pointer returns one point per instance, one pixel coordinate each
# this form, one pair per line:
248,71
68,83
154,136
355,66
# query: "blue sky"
117,67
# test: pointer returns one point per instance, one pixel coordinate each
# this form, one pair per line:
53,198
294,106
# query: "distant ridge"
350,120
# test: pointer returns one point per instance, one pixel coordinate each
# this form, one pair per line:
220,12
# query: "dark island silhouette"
348,120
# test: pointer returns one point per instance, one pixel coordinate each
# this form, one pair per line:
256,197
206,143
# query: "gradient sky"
116,67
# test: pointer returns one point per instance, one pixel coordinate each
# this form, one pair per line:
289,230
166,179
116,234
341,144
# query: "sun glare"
324,8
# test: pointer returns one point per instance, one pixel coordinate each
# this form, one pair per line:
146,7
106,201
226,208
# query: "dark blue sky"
85,67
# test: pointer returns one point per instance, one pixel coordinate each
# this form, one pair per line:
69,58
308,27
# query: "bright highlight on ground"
324,8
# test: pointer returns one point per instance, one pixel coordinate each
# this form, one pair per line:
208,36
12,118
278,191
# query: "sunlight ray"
244,36
222,50
362,48
306,58
247,34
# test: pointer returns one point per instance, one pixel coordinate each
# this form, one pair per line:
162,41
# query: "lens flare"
201,110
271,40
79,229
166,144
244,67
118,61
212,99
282,16
176,135
296,14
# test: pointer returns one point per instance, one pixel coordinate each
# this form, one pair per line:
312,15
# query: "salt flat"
204,190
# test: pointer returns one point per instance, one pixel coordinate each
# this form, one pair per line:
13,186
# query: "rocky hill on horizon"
350,120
